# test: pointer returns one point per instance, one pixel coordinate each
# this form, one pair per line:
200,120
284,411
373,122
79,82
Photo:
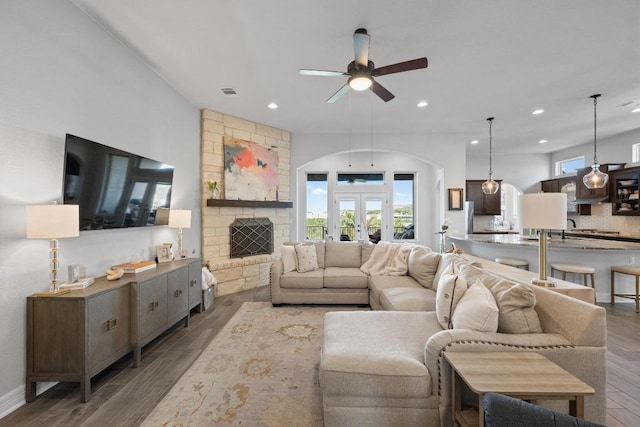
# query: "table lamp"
543,211
180,219
53,222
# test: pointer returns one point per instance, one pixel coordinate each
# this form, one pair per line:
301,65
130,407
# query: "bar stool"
585,270
631,271
514,262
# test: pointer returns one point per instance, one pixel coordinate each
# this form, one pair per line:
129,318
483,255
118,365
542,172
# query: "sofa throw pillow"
307,258
343,254
289,259
477,310
451,288
422,265
516,302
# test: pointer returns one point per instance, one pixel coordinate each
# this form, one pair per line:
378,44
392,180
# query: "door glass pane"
347,212
317,202
373,220
403,206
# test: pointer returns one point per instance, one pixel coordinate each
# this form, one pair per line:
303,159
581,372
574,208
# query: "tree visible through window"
317,203
403,206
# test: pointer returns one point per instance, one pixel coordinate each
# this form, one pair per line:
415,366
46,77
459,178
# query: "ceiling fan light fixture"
595,179
360,81
490,186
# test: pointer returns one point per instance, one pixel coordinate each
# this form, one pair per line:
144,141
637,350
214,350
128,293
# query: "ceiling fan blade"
322,73
414,64
361,46
344,89
383,93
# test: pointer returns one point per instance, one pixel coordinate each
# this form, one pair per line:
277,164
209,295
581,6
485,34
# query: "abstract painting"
250,171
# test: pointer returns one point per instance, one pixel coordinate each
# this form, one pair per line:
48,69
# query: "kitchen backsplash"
602,219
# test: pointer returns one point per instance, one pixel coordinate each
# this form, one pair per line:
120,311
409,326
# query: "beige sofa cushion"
422,265
379,283
344,277
445,264
517,308
408,299
366,252
451,288
343,254
376,355
516,301
289,259
307,257
309,280
477,310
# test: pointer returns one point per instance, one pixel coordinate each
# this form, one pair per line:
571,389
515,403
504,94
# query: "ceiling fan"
362,71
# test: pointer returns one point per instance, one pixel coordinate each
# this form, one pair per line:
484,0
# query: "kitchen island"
598,253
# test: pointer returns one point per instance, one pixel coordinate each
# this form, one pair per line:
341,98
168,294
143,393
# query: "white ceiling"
501,58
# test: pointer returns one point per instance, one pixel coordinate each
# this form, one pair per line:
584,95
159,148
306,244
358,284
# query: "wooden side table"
524,375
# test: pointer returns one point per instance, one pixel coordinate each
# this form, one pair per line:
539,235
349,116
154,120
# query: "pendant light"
490,186
595,179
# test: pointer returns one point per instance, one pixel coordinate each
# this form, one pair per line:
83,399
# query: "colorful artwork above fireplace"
250,170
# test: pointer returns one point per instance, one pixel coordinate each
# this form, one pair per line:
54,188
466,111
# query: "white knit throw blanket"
387,259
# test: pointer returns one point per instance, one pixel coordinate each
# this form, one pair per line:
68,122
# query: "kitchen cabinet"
624,185
566,184
483,204
74,336
582,192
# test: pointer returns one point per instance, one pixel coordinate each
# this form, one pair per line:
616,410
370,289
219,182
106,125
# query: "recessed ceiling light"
542,141
272,105
422,104
636,110
538,111
474,142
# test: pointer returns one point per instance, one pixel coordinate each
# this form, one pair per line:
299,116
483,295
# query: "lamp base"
52,293
543,283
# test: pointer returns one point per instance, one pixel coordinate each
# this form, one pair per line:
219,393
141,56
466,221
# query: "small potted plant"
213,189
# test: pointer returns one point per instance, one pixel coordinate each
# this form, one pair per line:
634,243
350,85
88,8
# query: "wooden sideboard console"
74,336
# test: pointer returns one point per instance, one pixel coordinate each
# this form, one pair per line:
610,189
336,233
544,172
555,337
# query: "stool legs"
613,273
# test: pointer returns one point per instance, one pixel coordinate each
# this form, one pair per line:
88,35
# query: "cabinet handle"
153,305
156,304
177,293
111,324
193,282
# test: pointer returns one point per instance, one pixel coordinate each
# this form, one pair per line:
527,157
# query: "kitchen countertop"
571,242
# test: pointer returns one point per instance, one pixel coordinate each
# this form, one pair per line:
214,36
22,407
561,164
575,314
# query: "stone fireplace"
233,272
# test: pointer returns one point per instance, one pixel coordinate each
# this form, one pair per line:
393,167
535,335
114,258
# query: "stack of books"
80,284
135,267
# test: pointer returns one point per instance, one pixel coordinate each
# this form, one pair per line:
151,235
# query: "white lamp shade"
179,218
52,221
546,211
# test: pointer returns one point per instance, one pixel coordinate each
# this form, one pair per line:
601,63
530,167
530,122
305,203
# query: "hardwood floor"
124,396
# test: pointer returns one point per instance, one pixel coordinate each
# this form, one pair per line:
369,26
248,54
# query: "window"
403,206
568,166
635,153
360,179
317,202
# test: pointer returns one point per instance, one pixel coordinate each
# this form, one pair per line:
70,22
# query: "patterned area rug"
260,370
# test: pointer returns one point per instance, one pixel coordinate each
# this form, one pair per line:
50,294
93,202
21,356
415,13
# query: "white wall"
616,149
444,153
62,73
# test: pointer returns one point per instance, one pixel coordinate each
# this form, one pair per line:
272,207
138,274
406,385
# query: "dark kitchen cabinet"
483,204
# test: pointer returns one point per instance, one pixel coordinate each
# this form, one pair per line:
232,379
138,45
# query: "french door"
360,216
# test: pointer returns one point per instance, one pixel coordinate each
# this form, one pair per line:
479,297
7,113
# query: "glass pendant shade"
595,179
490,186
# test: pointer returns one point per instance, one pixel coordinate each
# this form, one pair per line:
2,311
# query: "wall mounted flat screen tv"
114,188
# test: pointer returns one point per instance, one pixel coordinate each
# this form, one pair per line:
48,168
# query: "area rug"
260,370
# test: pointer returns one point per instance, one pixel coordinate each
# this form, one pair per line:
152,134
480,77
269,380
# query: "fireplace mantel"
248,203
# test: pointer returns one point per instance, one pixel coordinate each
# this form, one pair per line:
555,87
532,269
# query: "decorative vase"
442,242
213,194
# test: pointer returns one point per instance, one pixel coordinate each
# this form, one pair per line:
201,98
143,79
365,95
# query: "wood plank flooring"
124,396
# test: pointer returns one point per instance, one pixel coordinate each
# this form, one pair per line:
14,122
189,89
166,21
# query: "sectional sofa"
386,367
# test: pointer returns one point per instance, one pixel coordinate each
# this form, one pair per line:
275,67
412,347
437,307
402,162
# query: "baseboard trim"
15,398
